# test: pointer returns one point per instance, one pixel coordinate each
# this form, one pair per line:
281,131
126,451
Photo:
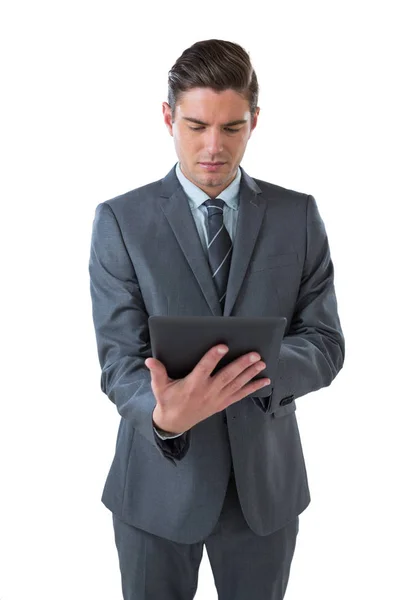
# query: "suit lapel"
252,206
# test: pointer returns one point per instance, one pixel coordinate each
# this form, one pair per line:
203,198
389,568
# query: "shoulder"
135,198
274,190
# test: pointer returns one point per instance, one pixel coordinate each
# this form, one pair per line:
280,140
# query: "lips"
211,167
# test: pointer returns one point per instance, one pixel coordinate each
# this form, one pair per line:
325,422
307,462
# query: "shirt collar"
197,196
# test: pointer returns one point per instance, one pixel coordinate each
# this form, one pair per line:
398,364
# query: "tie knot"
215,205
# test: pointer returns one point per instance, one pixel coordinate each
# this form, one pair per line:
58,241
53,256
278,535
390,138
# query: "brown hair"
216,64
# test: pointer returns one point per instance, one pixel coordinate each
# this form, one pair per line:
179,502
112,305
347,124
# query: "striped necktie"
219,247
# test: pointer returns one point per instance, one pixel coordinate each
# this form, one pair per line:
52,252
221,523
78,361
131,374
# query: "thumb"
157,370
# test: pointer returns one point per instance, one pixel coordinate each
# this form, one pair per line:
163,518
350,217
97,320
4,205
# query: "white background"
82,88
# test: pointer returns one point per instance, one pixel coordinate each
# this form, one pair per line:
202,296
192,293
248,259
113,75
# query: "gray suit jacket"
146,259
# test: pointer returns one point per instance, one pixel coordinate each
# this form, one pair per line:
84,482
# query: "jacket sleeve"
312,353
122,335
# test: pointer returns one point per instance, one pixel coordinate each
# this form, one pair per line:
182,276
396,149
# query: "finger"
209,361
246,377
228,376
250,389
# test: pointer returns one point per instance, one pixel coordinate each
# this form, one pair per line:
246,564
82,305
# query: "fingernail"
222,350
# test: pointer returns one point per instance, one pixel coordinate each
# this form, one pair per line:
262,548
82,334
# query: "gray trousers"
245,566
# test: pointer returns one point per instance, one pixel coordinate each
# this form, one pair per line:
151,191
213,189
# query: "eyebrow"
238,122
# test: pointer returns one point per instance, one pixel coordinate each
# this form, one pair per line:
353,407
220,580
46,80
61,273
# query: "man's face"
210,127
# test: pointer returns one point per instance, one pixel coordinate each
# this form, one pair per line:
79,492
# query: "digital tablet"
180,342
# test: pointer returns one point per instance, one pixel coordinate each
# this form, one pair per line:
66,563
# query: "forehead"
209,105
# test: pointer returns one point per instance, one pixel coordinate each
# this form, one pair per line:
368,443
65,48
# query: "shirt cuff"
166,436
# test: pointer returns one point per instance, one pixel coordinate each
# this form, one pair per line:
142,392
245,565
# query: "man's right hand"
182,403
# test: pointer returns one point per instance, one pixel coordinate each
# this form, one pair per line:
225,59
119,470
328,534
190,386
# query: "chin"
213,178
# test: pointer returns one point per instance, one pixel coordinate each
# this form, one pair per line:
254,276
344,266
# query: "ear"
255,119
167,116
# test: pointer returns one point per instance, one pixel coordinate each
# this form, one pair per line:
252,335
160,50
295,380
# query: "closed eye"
230,129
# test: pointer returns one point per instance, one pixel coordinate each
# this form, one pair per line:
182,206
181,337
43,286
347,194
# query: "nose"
214,145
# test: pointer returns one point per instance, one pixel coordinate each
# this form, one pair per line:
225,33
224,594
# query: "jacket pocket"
282,411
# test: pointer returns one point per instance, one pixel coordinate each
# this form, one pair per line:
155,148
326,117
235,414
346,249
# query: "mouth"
211,166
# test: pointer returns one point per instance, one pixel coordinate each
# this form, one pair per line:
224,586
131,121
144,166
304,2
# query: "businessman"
204,460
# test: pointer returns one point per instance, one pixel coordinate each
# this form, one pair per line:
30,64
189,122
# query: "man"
203,460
